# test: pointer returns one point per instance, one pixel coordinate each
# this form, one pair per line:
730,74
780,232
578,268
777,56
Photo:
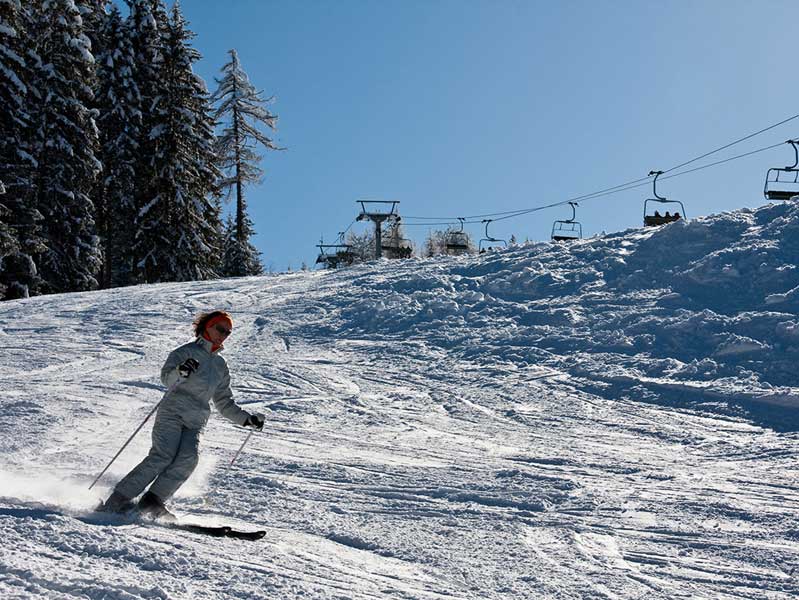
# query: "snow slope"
614,418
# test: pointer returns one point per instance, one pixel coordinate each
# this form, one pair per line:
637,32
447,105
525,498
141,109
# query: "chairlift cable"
453,222
429,218
348,226
633,184
713,164
751,135
630,185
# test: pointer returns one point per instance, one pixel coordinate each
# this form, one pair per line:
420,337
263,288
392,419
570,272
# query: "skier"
195,374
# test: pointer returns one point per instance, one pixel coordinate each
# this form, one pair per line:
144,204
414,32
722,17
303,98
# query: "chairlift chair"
334,255
345,255
488,238
787,187
344,252
402,249
457,242
656,218
566,230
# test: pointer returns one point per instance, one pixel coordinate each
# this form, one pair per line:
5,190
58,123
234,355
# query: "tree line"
111,169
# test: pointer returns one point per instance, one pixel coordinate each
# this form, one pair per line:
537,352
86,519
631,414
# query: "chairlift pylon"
378,217
566,230
788,187
656,219
488,238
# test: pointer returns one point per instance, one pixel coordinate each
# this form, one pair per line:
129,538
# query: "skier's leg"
166,441
181,467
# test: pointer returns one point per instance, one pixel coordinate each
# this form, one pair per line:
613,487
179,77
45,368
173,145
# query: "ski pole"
244,443
230,464
125,445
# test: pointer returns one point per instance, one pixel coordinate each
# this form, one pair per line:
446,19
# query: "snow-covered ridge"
708,305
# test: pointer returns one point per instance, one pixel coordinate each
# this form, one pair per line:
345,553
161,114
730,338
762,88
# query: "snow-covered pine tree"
119,105
21,220
217,254
208,194
230,255
240,260
242,109
152,217
93,13
178,226
8,244
64,147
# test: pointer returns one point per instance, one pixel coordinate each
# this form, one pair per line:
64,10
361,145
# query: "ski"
134,517
223,531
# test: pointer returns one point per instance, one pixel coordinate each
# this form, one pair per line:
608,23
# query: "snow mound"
695,301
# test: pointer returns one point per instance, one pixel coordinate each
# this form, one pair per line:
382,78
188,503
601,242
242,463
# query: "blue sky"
471,107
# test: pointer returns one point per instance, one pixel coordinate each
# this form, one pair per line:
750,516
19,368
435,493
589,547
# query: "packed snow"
610,418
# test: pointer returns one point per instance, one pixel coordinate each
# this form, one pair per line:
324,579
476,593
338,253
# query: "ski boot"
116,503
153,507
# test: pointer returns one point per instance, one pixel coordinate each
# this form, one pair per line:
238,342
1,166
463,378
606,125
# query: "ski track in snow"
425,438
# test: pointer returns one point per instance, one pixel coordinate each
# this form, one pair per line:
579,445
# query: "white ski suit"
180,419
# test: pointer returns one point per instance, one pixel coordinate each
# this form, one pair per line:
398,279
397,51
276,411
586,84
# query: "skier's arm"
169,372
223,400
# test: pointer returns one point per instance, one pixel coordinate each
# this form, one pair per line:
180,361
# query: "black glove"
255,421
188,367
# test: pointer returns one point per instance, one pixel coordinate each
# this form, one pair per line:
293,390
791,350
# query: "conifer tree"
216,256
64,147
151,217
8,243
93,14
243,110
20,221
230,255
238,260
119,106
178,226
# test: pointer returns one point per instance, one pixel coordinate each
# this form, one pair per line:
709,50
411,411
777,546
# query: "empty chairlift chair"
655,219
484,243
783,183
567,230
457,242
